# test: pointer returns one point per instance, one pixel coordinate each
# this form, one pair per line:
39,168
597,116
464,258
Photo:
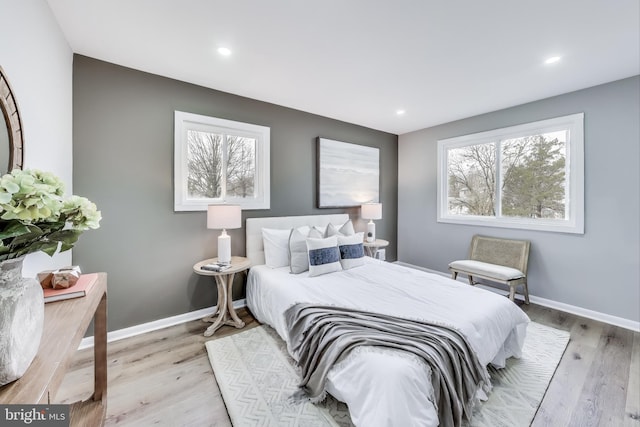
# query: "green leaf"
50,227
65,247
68,236
48,248
25,239
12,229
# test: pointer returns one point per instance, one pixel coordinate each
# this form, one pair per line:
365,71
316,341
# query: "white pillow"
298,256
324,256
322,229
315,233
345,229
276,247
304,229
351,250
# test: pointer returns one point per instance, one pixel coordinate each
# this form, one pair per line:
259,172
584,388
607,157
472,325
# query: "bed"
383,387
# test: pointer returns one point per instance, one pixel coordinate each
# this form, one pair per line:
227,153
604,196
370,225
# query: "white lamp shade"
371,211
220,217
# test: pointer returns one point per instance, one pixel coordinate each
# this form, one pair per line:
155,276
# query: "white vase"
21,320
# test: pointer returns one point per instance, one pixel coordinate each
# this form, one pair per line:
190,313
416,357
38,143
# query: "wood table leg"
232,311
219,307
212,317
100,350
222,312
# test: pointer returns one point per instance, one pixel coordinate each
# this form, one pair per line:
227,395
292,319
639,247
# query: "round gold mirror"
11,138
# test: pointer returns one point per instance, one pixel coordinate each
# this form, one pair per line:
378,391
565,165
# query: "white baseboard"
157,324
199,314
568,308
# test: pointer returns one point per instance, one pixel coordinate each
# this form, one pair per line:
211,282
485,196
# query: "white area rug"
256,378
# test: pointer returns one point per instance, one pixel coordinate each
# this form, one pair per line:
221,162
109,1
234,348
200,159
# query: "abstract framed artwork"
348,174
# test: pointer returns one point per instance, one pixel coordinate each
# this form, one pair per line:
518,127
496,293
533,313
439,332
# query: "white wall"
37,61
598,271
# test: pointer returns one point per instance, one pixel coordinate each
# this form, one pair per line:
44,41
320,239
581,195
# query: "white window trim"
575,166
262,134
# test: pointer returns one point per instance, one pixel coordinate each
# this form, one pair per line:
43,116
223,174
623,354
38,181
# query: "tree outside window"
534,177
519,176
219,160
220,166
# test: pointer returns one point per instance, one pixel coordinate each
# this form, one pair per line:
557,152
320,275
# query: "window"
528,176
219,160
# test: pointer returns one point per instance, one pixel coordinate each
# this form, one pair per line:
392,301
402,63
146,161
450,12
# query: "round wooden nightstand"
373,247
224,279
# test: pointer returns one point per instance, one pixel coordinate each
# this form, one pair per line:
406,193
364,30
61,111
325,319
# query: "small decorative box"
62,278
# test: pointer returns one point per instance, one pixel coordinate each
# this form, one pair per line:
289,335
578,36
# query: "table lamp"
221,217
371,211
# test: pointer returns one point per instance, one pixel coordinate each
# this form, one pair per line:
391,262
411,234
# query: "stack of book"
215,267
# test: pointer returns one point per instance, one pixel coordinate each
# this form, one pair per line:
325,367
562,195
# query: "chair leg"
512,292
454,275
470,280
526,292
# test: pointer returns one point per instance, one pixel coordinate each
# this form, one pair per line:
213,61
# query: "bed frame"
254,226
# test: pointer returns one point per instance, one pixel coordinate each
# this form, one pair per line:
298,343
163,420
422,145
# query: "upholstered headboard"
254,226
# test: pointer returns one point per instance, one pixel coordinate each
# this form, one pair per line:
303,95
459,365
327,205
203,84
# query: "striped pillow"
351,250
324,256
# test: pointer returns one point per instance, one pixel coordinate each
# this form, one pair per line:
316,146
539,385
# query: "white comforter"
385,387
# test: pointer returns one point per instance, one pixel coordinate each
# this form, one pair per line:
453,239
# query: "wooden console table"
65,323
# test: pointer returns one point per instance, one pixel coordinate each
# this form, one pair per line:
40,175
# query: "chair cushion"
499,272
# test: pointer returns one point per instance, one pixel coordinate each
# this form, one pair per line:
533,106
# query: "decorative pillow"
315,233
276,247
304,229
298,256
320,229
351,250
345,230
324,256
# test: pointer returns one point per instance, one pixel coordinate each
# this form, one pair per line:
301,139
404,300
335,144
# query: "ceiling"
362,60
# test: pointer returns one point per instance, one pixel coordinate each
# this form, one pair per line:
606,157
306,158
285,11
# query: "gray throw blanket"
320,336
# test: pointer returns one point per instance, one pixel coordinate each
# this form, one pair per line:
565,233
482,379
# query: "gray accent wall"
597,271
123,161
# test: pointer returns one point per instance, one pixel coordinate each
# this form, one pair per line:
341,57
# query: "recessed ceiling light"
400,112
224,51
552,60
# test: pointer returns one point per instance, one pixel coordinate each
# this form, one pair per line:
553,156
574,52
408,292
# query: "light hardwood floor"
164,377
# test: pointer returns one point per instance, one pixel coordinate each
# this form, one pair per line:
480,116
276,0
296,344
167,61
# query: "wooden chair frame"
502,252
